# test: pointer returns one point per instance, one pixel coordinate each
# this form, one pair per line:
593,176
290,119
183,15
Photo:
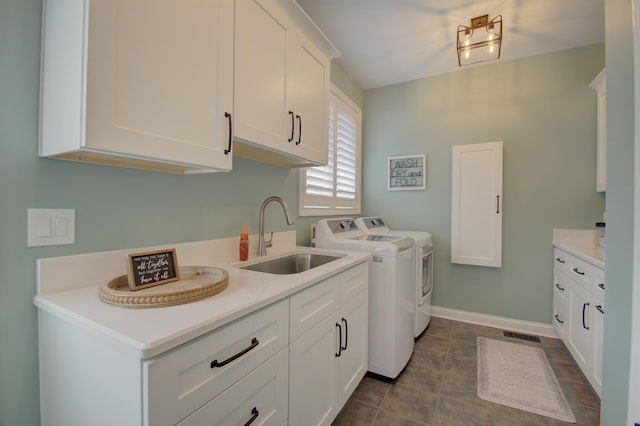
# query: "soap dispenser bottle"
244,245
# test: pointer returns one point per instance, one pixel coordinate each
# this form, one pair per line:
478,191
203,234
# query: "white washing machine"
422,270
390,291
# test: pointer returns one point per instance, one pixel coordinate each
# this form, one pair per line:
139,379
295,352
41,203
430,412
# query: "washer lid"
344,234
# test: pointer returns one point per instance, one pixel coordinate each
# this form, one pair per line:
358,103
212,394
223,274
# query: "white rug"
520,376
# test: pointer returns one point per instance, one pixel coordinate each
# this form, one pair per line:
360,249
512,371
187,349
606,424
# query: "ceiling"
384,42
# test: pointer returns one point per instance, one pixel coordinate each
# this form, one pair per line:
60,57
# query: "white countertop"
152,331
579,243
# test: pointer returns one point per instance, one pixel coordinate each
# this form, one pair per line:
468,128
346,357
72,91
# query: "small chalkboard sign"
153,268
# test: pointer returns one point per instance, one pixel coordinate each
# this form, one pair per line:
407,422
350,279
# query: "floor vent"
521,336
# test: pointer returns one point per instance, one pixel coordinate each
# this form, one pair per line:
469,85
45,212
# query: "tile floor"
438,386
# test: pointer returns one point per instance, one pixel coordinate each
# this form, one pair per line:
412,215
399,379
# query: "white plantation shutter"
319,180
334,188
346,158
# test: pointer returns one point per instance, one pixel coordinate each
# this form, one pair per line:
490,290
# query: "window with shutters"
334,189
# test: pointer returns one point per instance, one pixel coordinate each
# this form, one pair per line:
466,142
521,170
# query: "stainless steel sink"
292,264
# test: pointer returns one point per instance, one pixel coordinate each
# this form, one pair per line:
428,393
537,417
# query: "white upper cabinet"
599,84
137,83
476,209
281,84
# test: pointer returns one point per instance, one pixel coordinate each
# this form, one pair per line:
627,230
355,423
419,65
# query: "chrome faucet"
262,244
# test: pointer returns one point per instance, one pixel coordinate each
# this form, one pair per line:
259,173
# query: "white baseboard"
526,327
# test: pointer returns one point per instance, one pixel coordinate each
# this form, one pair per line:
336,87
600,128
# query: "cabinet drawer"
561,261
586,274
311,305
353,281
261,396
581,272
560,304
183,380
599,278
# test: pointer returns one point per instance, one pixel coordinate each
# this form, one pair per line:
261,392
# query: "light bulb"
467,41
491,37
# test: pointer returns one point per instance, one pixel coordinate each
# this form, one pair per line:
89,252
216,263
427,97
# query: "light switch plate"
51,227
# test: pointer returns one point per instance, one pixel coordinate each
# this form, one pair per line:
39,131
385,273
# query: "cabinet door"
312,374
260,87
160,80
309,86
352,362
581,326
598,330
476,210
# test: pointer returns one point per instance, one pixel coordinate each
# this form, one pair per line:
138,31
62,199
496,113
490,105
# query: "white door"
309,103
260,86
580,326
142,99
476,210
312,374
352,362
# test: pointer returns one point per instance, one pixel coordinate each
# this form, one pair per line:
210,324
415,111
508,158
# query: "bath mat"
520,376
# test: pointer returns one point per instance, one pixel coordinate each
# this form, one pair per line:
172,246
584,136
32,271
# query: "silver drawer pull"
254,343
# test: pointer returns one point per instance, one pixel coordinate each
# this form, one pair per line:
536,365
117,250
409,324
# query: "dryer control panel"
338,226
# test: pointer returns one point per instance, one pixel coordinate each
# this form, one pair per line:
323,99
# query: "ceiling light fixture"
481,41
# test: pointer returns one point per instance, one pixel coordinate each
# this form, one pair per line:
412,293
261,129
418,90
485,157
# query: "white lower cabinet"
329,358
293,362
180,382
578,312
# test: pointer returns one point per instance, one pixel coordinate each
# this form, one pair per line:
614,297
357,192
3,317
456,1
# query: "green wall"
539,107
115,208
545,112
620,201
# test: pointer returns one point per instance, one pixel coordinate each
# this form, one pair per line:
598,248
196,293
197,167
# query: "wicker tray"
195,283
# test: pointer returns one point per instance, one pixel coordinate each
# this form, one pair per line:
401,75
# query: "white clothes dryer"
390,322
422,269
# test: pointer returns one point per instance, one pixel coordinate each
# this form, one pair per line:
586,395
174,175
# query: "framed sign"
406,172
153,268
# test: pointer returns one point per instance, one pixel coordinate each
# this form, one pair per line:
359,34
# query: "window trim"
355,207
